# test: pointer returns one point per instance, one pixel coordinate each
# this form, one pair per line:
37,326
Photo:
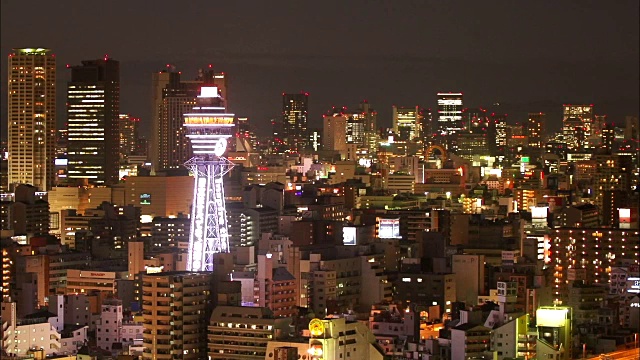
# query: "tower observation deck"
208,126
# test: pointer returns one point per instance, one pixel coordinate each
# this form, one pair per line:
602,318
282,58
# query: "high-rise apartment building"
407,122
577,123
93,111
295,109
172,97
176,307
449,118
31,117
535,129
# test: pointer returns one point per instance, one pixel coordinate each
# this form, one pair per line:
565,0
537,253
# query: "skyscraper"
295,109
93,113
475,121
535,129
449,118
334,131
128,128
171,98
577,123
208,126
407,122
31,117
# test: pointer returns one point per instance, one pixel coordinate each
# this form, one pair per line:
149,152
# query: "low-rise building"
240,332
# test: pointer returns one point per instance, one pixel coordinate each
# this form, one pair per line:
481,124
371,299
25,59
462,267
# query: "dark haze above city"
526,56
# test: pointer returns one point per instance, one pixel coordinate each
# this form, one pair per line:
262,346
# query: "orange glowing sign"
316,327
208,120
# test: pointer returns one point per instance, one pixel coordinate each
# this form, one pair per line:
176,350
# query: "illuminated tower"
208,127
31,117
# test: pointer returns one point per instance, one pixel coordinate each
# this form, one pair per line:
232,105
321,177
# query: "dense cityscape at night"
320,181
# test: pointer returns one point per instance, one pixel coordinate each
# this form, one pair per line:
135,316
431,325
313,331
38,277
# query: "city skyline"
264,63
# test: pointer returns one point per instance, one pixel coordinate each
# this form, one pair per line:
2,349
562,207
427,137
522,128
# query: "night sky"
526,55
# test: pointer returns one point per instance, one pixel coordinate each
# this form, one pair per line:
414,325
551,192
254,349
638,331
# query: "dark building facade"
93,110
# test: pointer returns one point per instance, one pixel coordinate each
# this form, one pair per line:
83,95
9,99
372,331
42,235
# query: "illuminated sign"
539,212
221,147
145,199
389,229
634,285
209,91
557,317
91,274
316,327
624,215
349,236
60,162
154,269
208,120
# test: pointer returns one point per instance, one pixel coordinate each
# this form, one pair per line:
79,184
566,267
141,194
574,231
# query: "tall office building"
334,131
128,128
535,129
608,136
93,113
31,117
295,109
171,98
407,122
577,124
475,121
449,118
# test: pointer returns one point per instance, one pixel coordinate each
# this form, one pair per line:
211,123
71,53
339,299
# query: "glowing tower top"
208,126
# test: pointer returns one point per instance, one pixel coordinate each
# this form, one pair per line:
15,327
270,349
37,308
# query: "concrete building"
39,330
173,306
86,281
28,214
275,287
579,216
393,327
31,117
160,195
170,232
468,270
427,289
114,328
240,332
555,337
469,341
586,254
334,339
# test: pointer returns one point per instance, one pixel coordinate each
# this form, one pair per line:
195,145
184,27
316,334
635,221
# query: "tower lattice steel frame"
208,127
